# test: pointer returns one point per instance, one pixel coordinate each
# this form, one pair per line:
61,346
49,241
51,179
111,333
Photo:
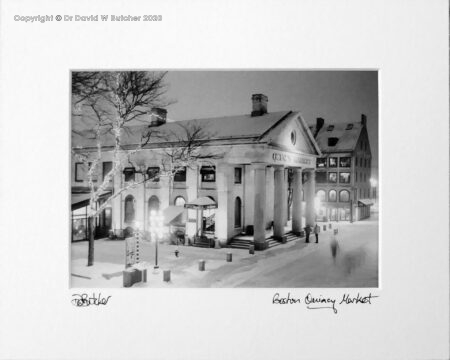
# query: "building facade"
344,171
262,180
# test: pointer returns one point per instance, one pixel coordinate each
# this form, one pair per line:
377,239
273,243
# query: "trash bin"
324,228
166,275
229,257
251,249
201,265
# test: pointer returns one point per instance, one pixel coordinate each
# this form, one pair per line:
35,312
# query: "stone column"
297,225
192,194
280,201
225,202
259,215
310,189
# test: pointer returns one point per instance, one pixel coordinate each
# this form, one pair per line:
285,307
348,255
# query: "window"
345,162
180,175
238,175
81,170
129,209
208,174
332,141
321,195
332,195
349,127
322,162
293,137
356,177
344,196
179,201
321,177
237,212
332,177
344,177
332,162
107,167
153,173
153,204
129,173
330,128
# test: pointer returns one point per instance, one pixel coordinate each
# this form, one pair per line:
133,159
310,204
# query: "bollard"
229,257
129,277
329,226
201,265
251,249
166,275
335,231
324,228
144,275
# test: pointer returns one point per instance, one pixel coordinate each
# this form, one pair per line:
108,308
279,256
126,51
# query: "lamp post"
156,231
373,185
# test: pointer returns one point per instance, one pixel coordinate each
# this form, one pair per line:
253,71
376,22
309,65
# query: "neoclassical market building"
263,184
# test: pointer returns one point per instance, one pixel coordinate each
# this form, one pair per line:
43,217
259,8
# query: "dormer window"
330,128
349,127
332,141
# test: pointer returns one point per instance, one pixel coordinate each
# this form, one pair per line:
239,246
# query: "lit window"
332,177
237,212
344,196
129,209
332,162
332,195
321,162
179,201
321,195
344,177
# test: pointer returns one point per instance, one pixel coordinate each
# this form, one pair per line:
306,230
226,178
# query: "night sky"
336,96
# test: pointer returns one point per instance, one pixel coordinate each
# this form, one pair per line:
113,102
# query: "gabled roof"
220,128
347,139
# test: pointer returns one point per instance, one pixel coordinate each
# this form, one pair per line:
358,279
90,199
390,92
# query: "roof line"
274,126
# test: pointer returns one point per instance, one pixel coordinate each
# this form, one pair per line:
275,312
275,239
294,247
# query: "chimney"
158,116
259,102
319,125
363,120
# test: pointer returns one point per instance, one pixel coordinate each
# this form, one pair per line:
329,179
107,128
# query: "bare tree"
110,106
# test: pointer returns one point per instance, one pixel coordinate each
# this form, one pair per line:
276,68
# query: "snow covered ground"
295,264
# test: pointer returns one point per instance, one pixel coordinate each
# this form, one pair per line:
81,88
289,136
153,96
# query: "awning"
173,215
366,202
82,200
201,203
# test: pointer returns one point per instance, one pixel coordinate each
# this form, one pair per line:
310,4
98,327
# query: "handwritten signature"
86,300
322,302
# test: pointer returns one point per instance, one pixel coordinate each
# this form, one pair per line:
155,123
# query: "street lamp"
156,230
373,185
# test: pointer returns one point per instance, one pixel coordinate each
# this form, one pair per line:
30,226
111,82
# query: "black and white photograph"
224,179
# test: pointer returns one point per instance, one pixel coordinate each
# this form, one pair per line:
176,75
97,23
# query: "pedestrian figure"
334,248
316,232
307,231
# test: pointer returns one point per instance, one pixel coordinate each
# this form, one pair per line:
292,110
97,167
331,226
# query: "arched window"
179,201
344,196
153,204
237,212
321,195
129,209
332,195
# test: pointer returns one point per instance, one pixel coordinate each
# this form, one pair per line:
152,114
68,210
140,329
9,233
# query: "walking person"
316,232
307,231
334,247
